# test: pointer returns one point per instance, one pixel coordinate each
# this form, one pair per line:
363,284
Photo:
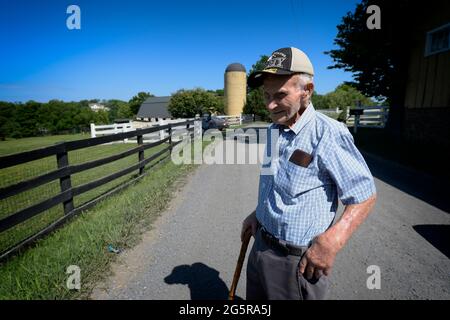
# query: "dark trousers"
274,275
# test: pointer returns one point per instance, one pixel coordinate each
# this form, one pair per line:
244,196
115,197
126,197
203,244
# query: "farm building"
97,107
154,108
427,95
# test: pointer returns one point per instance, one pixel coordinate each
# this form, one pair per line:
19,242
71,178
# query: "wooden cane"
237,272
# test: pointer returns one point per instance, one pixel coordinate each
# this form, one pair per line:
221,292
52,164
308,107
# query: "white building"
97,106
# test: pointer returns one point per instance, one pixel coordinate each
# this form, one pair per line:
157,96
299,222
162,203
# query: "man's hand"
319,258
249,225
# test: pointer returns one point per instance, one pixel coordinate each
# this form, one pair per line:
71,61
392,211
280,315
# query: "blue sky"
125,47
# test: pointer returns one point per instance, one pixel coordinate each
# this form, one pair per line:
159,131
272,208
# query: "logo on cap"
276,60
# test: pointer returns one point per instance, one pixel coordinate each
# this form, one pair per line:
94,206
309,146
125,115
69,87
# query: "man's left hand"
319,258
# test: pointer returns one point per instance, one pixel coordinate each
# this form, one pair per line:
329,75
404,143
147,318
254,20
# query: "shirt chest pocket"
293,179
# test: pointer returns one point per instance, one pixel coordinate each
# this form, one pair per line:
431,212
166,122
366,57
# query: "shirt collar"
306,116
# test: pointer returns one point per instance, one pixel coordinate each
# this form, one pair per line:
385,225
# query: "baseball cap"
283,61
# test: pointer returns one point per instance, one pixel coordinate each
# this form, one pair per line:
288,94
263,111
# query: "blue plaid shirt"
298,203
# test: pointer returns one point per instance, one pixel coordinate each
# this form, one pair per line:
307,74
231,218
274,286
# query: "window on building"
438,40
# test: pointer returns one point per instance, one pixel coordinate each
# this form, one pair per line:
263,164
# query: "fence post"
65,183
140,141
161,132
170,137
125,128
198,125
187,131
92,130
356,123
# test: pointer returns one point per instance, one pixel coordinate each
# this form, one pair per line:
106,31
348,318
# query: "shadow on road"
203,282
436,234
424,187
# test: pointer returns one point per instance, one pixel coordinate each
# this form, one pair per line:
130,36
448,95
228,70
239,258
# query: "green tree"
259,65
114,106
8,124
255,98
378,58
101,117
188,103
25,116
137,100
124,111
255,104
320,101
346,95
32,118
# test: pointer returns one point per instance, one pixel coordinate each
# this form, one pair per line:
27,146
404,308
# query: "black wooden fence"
65,170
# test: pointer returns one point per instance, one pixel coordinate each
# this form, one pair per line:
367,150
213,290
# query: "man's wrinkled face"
283,95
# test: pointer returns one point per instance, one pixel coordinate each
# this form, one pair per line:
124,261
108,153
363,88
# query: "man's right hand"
250,224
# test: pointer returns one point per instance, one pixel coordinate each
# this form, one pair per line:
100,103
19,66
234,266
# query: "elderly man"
316,163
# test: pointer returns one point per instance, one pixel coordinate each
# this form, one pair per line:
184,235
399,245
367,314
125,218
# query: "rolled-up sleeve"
348,169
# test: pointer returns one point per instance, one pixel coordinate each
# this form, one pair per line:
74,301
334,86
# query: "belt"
286,248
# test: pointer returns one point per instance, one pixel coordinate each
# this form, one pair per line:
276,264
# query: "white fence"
371,117
238,119
102,130
177,131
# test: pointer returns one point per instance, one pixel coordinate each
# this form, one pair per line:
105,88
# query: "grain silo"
235,89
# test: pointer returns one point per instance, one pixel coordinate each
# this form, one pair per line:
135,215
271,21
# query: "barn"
154,109
427,95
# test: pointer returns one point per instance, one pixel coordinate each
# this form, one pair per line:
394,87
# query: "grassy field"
39,273
10,146
35,168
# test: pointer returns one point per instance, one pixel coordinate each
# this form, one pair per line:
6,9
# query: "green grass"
10,146
40,272
35,168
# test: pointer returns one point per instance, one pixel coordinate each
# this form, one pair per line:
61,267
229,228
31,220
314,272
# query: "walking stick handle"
240,262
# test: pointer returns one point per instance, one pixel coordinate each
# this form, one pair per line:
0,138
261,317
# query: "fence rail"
370,117
102,130
64,172
238,119
110,128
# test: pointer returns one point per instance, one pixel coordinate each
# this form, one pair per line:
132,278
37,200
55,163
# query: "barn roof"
154,107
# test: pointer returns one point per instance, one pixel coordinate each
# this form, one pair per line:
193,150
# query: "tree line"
19,120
